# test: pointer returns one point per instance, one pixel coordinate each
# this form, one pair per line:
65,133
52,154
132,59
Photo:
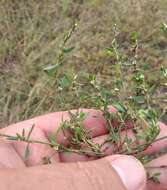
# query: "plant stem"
57,147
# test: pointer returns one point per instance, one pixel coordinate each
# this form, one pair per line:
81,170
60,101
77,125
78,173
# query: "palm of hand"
12,152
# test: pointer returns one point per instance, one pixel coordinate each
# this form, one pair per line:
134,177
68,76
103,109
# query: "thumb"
117,172
131,172
110,173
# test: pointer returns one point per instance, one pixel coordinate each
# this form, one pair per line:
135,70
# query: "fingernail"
131,171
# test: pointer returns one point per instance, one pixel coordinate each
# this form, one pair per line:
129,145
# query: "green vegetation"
60,55
32,31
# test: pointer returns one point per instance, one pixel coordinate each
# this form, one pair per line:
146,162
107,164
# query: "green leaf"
82,116
119,107
65,81
134,36
68,50
78,133
12,138
138,99
109,51
139,77
145,66
164,72
152,89
143,113
92,79
164,27
51,69
148,114
104,93
27,152
52,139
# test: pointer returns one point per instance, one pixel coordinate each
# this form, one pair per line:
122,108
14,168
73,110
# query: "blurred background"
31,32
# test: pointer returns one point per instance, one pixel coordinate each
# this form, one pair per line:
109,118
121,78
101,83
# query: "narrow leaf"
68,50
27,152
12,138
51,69
30,132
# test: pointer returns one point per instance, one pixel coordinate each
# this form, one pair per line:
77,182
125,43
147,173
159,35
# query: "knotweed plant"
132,95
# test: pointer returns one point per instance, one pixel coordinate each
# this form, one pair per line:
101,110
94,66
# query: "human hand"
45,125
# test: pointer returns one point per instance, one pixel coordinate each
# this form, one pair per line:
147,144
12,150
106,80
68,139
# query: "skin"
59,173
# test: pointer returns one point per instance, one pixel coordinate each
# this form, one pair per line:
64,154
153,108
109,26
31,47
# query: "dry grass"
30,34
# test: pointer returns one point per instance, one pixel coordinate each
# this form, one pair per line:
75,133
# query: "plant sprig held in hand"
132,96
